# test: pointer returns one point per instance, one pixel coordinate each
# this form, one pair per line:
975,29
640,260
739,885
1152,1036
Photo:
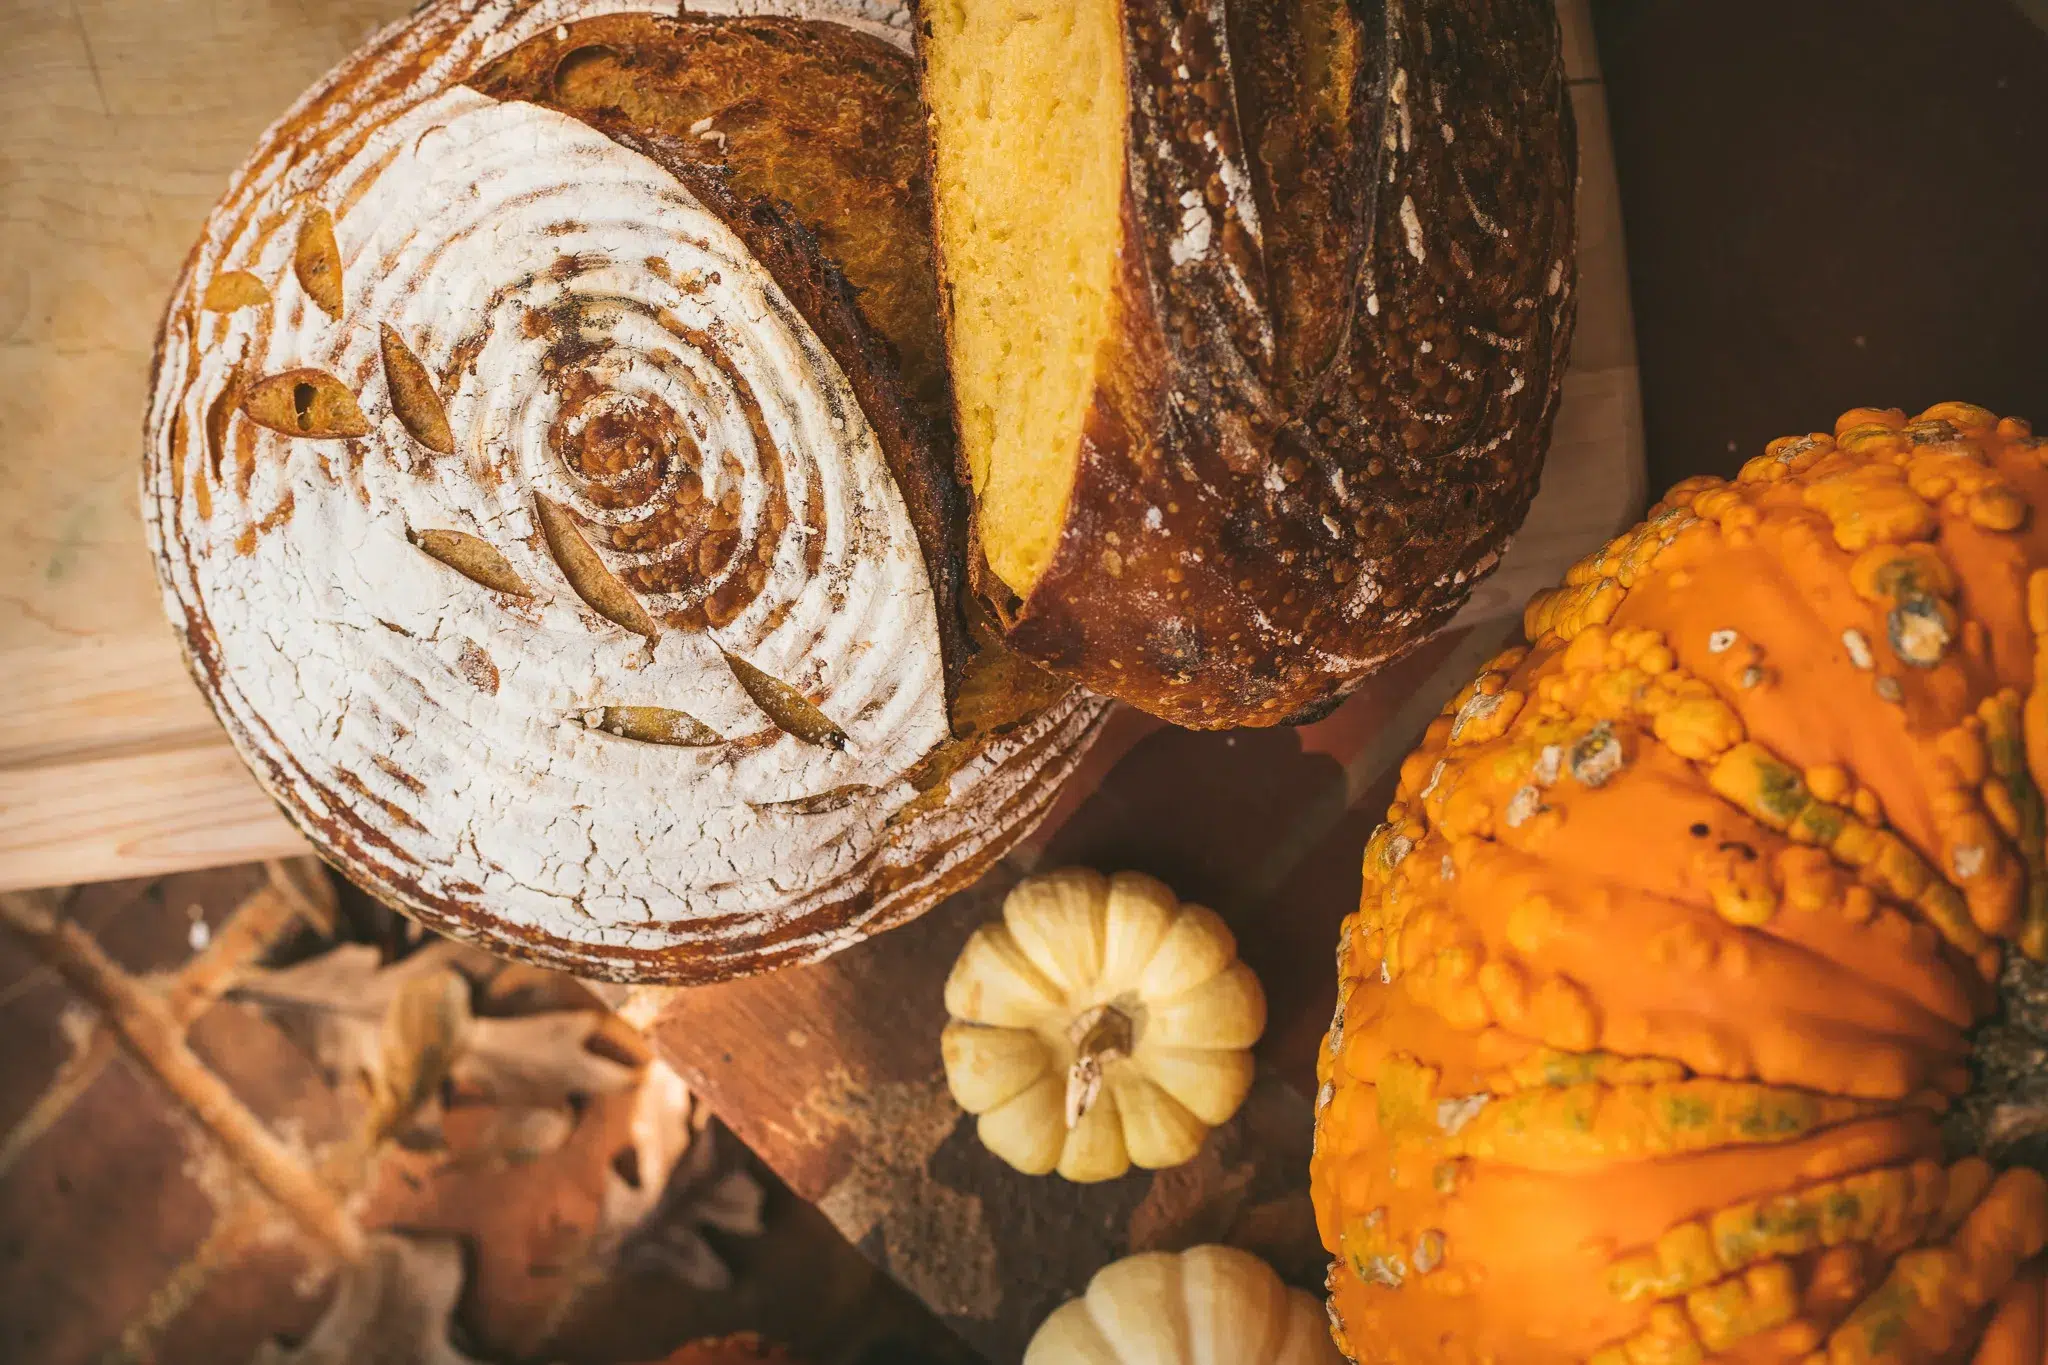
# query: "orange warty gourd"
1654,1041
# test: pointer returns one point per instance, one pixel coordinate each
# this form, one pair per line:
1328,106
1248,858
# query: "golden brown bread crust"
1020,734
1318,424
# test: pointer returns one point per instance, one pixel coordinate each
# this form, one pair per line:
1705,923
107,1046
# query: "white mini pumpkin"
1102,1023
1212,1305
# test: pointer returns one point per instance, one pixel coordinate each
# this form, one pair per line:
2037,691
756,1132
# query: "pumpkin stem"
1100,1036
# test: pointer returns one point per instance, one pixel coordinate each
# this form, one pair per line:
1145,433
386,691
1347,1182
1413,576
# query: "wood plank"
136,815
120,121
64,703
832,1072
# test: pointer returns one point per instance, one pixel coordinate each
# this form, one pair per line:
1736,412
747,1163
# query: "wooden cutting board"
120,121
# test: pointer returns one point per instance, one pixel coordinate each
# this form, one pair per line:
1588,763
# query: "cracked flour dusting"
445,739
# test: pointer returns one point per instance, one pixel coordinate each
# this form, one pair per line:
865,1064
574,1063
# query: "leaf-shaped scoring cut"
838,798
232,289
474,559
651,725
793,712
413,395
217,413
316,260
593,582
305,403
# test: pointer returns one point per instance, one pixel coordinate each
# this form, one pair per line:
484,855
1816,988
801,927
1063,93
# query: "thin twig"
146,1026
72,1080
304,882
249,931
233,1234
255,924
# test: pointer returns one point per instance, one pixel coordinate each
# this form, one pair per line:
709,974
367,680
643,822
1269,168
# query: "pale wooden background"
120,121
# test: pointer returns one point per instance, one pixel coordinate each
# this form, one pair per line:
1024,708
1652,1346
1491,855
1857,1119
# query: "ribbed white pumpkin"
1212,1305
1102,1023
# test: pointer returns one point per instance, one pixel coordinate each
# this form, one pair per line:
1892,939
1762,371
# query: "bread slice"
1034,189
550,478
1258,315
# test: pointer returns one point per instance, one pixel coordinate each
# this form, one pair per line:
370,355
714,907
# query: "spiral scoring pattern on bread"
537,552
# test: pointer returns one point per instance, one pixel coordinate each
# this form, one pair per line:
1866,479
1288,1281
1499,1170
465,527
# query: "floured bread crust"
1343,306
555,538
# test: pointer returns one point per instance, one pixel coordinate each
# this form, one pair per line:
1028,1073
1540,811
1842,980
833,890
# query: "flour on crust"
538,687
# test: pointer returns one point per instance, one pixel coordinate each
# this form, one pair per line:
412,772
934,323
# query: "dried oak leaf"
546,1226
516,1134
703,1191
390,1308
424,1032
405,1028
398,1027
538,1060
349,978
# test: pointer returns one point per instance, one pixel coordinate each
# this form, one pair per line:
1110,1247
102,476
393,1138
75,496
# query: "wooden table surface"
120,121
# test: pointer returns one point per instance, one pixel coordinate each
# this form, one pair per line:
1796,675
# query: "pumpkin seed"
1919,631
1597,757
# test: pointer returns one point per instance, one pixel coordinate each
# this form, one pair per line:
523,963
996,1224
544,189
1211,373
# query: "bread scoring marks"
1183,90
557,285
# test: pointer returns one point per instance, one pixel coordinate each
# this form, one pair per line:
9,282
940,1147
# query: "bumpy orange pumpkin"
1654,1037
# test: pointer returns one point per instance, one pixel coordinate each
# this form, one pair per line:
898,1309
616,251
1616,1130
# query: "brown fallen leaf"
665,1127
349,978
423,1035
340,1006
515,1136
390,1308
547,1157
546,1226
538,1059
704,1190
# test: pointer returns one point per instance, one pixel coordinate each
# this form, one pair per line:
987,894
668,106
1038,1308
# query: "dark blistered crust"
1307,443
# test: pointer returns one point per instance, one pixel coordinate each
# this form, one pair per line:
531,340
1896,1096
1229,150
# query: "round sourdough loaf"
542,480
1258,315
